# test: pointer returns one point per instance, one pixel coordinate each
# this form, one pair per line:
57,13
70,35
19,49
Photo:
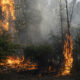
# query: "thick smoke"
50,17
36,19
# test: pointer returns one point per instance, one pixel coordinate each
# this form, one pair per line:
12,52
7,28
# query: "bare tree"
61,20
72,10
67,13
69,17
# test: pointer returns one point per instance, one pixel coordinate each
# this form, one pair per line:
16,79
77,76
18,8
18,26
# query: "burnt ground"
26,76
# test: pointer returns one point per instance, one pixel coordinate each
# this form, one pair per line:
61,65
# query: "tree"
71,12
61,20
69,16
0,13
76,65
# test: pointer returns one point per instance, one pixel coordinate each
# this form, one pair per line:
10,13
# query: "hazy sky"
71,0
78,0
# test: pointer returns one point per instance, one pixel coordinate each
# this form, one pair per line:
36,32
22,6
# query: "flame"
18,64
8,13
68,50
50,68
12,60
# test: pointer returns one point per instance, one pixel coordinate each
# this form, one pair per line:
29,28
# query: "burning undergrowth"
17,64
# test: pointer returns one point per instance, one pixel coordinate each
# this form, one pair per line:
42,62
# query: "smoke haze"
37,18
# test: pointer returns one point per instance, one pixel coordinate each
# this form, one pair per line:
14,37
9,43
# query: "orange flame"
68,50
19,64
8,12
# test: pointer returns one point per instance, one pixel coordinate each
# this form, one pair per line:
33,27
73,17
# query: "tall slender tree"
61,20
67,13
69,17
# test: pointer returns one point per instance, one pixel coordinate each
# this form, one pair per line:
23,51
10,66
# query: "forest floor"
19,76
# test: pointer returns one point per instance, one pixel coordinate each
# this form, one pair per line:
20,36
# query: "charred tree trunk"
69,17
68,21
61,20
0,13
72,10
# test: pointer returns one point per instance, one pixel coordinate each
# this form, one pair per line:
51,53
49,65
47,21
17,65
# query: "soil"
27,76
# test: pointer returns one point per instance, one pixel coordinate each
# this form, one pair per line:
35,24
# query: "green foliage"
30,51
36,51
40,54
7,47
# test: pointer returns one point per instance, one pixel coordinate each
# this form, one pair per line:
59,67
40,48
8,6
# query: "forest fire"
18,64
7,19
8,13
68,50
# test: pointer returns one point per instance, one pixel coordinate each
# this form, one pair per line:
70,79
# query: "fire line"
18,64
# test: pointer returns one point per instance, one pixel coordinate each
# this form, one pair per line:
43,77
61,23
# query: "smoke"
36,19
50,15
